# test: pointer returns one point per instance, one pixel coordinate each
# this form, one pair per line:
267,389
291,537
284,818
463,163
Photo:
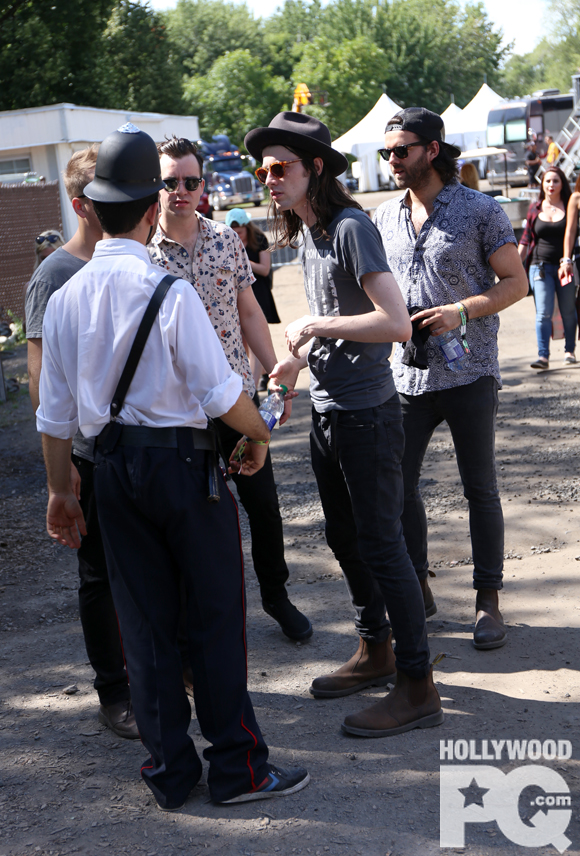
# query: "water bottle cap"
283,388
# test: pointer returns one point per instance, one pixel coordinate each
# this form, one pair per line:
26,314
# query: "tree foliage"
212,58
237,94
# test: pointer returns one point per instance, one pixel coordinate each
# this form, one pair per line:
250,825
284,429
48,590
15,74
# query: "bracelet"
463,316
565,261
259,442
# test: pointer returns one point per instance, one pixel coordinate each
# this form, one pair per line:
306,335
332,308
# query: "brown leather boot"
428,599
412,703
489,630
373,665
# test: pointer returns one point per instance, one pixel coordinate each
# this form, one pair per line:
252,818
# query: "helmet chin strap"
153,228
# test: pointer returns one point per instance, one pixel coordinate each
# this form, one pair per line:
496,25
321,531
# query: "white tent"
469,130
452,120
366,138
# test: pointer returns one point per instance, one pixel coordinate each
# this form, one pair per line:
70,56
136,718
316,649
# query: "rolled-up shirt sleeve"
198,352
57,414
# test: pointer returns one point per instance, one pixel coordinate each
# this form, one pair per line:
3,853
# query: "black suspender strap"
139,343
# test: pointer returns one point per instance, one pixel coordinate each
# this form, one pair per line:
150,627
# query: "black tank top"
550,241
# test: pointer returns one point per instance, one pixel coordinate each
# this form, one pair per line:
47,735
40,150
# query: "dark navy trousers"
96,607
158,526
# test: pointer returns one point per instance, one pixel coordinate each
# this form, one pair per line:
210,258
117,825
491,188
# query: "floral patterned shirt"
218,270
446,262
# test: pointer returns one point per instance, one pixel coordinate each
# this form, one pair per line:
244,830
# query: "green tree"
203,30
49,50
237,94
137,67
287,32
350,72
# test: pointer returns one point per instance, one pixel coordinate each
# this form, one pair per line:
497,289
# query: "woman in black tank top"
544,237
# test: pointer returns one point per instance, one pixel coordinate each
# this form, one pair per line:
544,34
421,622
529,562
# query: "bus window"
495,135
516,131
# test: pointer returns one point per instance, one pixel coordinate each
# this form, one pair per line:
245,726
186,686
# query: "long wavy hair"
326,196
565,193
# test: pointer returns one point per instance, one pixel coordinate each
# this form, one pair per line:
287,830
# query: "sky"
521,21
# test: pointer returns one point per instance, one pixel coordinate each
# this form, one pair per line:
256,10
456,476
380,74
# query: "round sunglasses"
191,183
400,152
278,169
52,239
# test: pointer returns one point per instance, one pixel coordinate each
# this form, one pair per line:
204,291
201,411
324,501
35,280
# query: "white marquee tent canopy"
366,138
468,129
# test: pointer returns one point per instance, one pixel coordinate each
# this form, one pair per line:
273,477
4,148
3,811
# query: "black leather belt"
162,438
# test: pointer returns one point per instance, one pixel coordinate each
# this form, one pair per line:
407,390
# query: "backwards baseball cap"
425,124
301,131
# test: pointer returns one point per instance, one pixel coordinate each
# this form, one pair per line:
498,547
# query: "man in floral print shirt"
211,256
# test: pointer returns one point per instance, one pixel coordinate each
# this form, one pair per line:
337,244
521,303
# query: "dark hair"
120,218
254,233
445,163
565,193
326,196
179,147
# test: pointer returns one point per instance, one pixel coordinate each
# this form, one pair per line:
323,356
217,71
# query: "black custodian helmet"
127,167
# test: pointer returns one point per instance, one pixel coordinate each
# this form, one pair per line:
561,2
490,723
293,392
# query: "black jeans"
470,411
96,608
356,457
259,497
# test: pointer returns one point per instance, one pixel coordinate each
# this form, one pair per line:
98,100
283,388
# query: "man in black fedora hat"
155,468
446,244
356,437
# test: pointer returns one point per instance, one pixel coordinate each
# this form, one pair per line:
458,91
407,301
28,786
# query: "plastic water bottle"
454,351
271,409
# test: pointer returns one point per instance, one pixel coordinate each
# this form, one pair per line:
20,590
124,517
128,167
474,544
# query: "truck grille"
242,184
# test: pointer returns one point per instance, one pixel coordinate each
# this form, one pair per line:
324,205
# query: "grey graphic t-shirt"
55,270
345,375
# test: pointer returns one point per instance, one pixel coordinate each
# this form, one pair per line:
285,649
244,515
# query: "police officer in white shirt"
154,452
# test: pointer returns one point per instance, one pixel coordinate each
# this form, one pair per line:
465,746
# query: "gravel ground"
67,785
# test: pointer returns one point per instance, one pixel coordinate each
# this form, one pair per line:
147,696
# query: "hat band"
395,127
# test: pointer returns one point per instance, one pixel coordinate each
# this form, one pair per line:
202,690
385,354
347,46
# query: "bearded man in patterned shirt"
213,259
445,245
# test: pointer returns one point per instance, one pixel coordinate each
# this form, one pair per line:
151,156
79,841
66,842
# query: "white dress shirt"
89,328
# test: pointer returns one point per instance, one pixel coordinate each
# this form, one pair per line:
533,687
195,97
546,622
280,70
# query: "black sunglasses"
400,152
52,239
191,183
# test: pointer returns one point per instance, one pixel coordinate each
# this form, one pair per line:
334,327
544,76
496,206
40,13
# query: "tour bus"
512,124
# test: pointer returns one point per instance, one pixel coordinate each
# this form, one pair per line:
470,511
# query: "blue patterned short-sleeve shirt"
447,262
218,270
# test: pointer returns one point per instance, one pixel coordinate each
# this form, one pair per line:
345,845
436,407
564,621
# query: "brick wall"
26,210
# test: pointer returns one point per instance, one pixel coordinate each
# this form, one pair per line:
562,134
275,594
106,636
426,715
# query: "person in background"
96,609
553,151
542,246
256,246
570,263
468,176
532,162
45,244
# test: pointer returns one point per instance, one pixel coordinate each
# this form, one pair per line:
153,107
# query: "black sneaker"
294,624
278,783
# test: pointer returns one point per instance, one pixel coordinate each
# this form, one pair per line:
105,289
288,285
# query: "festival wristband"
463,316
259,442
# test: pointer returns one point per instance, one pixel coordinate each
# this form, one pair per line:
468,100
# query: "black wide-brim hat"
300,131
127,167
424,123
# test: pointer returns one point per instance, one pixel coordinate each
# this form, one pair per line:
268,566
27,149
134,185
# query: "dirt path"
69,786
